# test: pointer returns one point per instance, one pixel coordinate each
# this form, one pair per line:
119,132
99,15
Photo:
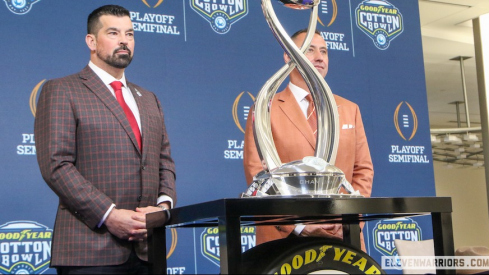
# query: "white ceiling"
446,28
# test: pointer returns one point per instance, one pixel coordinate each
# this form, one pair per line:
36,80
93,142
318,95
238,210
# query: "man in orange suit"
102,147
295,139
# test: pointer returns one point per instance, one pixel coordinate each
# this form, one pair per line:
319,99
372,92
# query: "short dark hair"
294,36
93,22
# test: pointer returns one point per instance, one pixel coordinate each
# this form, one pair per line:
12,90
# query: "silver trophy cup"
314,176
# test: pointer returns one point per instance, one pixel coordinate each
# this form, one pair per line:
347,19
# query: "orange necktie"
117,86
311,115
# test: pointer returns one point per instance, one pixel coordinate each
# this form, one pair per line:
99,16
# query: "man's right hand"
123,224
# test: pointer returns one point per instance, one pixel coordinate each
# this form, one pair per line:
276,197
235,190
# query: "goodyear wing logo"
209,242
221,14
385,232
25,248
406,121
380,20
241,109
20,7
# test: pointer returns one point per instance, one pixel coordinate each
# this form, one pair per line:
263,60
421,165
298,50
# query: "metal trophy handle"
313,175
327,113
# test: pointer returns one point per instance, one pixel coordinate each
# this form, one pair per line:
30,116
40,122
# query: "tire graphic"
308,255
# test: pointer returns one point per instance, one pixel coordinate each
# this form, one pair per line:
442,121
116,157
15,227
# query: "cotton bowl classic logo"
20,7
221,14
380,20
385,232
209,242
25,247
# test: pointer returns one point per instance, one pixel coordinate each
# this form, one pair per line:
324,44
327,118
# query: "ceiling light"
446,3
435,139
475,145
471,137
459,150
452,139
462,156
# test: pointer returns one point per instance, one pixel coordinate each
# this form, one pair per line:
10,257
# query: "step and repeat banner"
206,60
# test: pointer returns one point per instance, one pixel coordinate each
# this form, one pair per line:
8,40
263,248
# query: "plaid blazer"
89,156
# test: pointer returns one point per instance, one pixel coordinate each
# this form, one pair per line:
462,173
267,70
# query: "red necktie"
311,115
117,86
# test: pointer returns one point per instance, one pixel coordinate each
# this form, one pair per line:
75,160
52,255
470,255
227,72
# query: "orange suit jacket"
295,140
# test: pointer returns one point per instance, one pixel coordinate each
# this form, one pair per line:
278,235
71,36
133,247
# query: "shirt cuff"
105,216
165,198
298,229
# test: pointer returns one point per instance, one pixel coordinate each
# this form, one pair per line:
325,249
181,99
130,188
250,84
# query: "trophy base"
309,177
335,196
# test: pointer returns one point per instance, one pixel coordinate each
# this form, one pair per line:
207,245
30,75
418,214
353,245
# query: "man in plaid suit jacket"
89,156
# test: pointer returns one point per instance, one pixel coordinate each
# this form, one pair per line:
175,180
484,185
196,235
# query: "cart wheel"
308,255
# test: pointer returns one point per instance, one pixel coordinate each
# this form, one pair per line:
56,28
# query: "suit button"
140,197
143,167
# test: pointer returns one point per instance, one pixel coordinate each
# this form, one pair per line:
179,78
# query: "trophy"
313,176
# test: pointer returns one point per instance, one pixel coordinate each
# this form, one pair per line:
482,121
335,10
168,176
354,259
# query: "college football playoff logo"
406,121
156,5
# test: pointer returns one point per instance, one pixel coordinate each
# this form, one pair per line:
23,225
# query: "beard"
115,60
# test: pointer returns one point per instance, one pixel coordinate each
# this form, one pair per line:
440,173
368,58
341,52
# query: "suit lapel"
289,106
95,84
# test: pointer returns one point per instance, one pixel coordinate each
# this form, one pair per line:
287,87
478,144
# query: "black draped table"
230,214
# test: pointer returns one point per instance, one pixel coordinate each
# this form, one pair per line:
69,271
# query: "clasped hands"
323,230
128,224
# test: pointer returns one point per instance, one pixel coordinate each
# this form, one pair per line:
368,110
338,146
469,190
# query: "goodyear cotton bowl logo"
209,242
25,247
221,14
380,20
385,232
20,6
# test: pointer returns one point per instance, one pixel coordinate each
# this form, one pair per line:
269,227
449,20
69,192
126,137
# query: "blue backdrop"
206,60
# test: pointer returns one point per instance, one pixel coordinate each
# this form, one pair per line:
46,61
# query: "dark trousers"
134,265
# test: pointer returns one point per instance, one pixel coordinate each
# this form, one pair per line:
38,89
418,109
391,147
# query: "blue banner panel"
206,60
